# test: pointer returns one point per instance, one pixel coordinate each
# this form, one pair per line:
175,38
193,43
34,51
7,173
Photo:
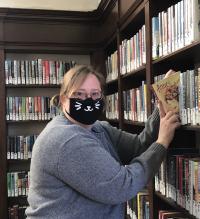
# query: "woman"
78,166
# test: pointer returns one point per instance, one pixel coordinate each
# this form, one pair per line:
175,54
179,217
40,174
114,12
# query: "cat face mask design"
85,111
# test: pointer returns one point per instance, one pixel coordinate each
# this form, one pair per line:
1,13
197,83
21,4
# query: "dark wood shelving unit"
97,34
173,204
16,200
182,54
138,71
134,123
191,127
113,120
33,86
18,165
182,59
109,83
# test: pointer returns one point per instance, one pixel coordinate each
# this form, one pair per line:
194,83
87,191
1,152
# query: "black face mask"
85,111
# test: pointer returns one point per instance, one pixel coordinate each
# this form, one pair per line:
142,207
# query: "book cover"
167,91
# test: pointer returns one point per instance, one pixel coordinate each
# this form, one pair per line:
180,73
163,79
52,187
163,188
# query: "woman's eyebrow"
95,89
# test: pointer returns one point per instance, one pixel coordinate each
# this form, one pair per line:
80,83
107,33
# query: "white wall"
68,5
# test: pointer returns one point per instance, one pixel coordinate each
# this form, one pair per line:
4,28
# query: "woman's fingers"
169,114
161,109
173,118
170,72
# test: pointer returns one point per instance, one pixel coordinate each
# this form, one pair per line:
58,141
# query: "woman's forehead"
91,82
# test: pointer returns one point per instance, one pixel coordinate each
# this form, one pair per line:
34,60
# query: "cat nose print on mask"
82,95
88,108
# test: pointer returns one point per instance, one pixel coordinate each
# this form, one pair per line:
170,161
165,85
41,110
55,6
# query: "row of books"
135,103
189,97
112,111
138,207
38,71
20,147
176,27
30,108
179,179
16,212
132,52
18,183
180,92
112,67
172,29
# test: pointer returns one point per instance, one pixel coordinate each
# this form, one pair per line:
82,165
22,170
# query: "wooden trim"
39,15
148,35
120,88
50,47
148,54
105,10
3,153
192,48
131,13
109,40
32,15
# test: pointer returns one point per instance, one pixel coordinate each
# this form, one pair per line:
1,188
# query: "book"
167,91
142,204
166,214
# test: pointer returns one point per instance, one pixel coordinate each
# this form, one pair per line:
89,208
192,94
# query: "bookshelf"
181,59
32,35
25,121
96,36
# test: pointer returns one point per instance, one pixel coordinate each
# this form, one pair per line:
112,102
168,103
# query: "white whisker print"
78,106
97,105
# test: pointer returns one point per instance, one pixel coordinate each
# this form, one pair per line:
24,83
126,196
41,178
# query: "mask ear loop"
104,102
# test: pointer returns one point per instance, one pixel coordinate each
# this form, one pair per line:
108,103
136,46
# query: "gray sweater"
78,173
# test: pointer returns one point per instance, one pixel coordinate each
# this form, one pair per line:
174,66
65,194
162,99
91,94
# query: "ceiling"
66,5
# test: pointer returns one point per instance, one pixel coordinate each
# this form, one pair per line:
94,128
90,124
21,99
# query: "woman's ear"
64,101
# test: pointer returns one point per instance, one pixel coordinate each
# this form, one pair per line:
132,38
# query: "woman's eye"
94,94
79,94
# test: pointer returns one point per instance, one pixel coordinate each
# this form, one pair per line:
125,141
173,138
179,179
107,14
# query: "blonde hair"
72,81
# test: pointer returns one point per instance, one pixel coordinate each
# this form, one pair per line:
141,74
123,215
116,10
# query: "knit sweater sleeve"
130,145
88,168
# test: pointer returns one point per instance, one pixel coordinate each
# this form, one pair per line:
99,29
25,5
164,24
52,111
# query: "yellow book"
142,197
167,91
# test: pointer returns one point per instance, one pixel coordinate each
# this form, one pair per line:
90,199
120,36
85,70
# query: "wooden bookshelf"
139,13
173,205
97,35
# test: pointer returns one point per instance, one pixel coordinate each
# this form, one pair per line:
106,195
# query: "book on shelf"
29,108
168,214
132,208
178,179
135,103
16,211
167,91
138,207
175,27
37,72
18,183
143,204
132,52
20,147
112,111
